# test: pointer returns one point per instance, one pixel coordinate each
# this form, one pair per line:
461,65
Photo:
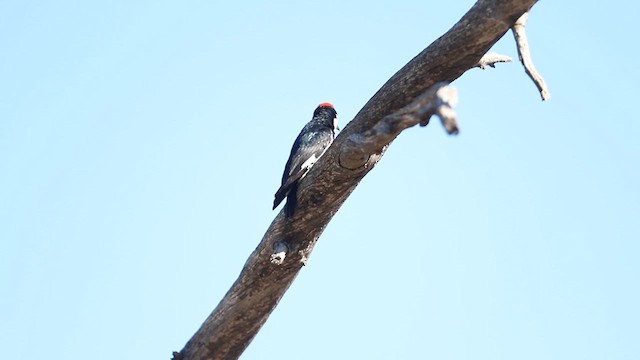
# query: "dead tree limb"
524,54
287,244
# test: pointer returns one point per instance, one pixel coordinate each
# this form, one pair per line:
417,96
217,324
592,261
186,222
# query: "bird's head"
326,114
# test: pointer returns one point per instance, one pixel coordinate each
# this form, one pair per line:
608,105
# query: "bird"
313,140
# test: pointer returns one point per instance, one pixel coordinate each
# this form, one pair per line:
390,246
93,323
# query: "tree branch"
524,54
437,100
287,244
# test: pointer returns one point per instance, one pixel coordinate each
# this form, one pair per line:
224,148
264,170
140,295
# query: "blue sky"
141,143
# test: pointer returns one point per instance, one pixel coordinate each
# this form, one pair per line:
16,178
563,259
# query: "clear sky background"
141,143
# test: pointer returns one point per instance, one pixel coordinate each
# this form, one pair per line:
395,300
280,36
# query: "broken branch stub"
491,58
437,100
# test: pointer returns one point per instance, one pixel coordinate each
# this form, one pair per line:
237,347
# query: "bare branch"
524,54
491,59
272,267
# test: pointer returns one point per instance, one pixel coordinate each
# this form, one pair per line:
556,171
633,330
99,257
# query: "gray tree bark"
410,97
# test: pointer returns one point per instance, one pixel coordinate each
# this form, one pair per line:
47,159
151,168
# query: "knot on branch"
304,257
439,100
279,253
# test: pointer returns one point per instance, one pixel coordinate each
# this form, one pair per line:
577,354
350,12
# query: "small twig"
520,35
491,59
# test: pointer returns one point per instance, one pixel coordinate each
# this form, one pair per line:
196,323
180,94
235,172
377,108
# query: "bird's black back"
314,138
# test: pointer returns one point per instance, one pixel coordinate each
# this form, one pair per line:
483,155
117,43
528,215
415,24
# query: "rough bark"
287,244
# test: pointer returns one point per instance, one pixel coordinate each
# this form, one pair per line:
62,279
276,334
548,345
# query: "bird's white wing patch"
309,163
312,160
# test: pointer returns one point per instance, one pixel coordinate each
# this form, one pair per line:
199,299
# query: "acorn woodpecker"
309,146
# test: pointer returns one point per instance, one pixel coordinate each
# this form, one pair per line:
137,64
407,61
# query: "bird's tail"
290,205
280,195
